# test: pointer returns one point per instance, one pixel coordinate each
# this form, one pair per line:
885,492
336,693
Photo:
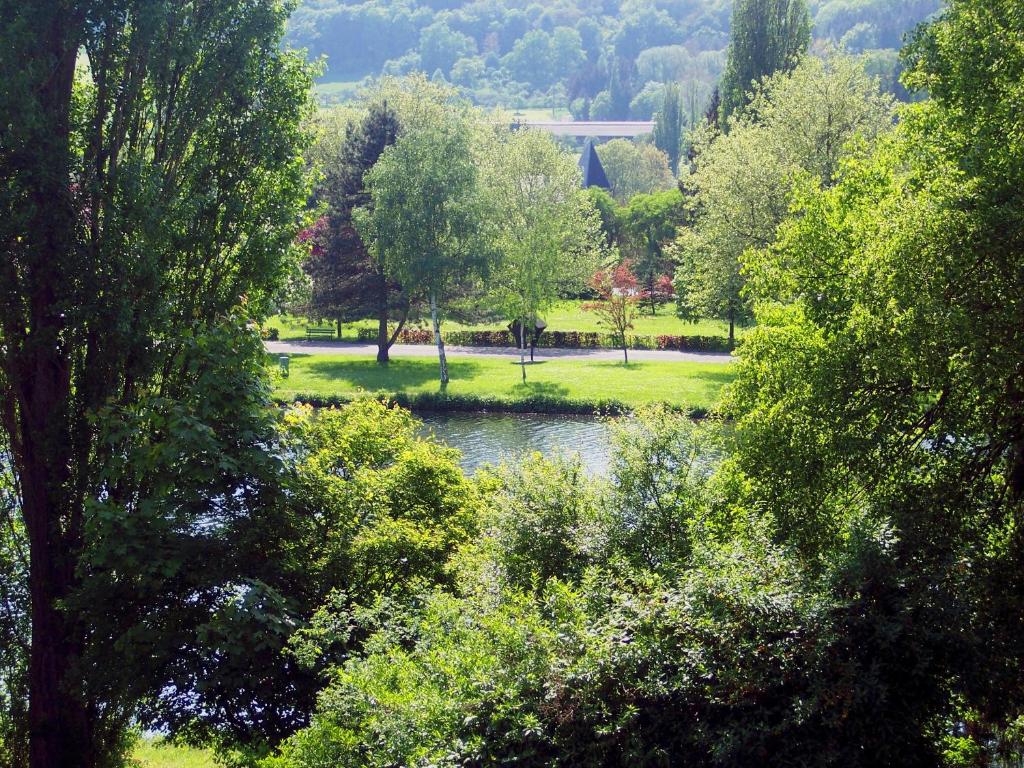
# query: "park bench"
319,333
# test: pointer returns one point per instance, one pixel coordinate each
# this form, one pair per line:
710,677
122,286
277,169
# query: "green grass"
682,384
564,316
542,114
336,92
155,753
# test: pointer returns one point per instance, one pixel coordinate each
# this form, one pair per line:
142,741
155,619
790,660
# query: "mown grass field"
154,753
565,316
683,384
542,114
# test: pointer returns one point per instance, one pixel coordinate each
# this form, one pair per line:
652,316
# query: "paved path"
426,350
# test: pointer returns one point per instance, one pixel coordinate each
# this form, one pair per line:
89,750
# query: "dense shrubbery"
640,621
559,340
835,579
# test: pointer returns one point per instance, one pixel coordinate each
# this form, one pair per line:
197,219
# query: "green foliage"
659,472
886,378
634,168
842,587
381,509
346,284
668,126
505,53
14,624
649,224
766,37
797,127
545,234
153,186
542,522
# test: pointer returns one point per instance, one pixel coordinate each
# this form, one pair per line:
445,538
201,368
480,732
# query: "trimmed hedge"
437,401
559,340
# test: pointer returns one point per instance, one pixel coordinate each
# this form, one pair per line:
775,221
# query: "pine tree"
767,36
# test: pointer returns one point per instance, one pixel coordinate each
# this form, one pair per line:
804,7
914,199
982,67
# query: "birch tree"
546,232
425,223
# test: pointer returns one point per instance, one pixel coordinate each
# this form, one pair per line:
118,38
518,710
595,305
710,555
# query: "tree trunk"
522,349
442,360
339,329
383,345
732,328
60,732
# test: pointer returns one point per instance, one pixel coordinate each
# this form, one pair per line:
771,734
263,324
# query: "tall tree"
425,222
634,168
767,36
348,284
668,126
547,233
896,299
649,225
798,123
152,187
616,290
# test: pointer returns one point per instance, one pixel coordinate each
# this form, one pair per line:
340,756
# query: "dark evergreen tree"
767,36
348,283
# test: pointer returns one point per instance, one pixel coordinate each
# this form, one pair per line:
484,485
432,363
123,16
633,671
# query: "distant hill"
603,59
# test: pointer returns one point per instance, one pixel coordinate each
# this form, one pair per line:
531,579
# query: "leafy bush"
559,340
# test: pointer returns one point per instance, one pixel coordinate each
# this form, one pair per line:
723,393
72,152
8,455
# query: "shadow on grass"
396,375
540,389
722,374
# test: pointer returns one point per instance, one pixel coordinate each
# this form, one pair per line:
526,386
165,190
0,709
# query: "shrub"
560,340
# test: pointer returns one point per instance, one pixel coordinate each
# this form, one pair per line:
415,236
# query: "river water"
489,438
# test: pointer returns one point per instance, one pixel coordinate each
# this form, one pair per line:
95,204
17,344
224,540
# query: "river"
489,438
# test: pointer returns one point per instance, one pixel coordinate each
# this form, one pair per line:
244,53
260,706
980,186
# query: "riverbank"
494,384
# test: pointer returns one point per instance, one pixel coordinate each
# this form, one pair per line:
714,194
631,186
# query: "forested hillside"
601,58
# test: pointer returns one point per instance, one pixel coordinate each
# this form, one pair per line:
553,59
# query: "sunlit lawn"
541,114
695,385
154,753
565,316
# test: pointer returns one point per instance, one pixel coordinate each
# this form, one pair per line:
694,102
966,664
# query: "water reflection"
489,438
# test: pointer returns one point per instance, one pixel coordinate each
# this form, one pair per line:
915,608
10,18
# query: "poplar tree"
767,36
152,187
668,126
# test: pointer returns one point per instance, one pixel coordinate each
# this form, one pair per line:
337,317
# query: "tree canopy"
153,185
797,126
593,58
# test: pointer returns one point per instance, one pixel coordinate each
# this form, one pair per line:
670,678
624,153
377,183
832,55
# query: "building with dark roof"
593,171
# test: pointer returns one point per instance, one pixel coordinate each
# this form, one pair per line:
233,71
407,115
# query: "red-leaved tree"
617,301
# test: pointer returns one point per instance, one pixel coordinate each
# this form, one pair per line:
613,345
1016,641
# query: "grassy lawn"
542,114
565,316
154,753
694,385
336,92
